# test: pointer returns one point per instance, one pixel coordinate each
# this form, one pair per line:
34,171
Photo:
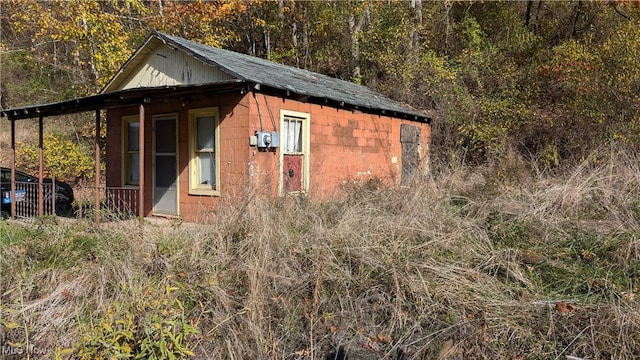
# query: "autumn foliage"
548,81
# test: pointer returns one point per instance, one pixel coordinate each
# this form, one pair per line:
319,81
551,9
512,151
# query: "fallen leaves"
385,339
302,353
628,296
564,307
531,257
67,295
587,255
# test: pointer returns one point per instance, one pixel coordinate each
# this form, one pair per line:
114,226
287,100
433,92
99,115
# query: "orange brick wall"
345,146
234,148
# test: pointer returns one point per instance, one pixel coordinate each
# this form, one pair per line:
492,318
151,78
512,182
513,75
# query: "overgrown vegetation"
460,264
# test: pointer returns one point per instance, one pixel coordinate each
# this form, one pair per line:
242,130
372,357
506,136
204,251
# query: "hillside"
550,81
462,266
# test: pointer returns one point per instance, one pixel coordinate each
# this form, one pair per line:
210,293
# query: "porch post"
41,170
141,166
97,171
13,169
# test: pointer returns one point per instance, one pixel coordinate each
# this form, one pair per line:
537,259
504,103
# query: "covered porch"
98,199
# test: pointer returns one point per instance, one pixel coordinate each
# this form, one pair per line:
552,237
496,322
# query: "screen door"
165,173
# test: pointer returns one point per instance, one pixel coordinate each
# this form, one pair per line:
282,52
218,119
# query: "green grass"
461,266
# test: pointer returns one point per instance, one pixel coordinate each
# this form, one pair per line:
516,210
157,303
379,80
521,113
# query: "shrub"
153,327
62,158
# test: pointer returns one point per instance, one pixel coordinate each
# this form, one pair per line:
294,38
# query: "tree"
86,39
200,21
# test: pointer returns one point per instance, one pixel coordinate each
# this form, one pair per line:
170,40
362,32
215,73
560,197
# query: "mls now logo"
18,350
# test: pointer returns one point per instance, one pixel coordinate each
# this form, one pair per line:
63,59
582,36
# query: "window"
292,134
131,145
204,158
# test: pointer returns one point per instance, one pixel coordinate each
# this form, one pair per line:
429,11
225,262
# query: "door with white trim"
294,152
165,165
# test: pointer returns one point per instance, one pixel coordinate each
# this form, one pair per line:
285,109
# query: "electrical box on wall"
268,139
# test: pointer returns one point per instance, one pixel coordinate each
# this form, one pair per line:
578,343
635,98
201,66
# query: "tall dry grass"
465,265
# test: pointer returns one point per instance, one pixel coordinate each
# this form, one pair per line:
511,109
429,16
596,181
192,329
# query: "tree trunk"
267,43
294,42
574,32
355,27
447,9
306,51
415,35
92,51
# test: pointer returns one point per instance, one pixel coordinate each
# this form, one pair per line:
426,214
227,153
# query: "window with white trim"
131,150
292,134
204,174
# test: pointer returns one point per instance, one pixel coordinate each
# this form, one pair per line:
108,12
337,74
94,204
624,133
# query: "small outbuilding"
189,124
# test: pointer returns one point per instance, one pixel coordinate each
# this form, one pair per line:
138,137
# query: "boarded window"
410,139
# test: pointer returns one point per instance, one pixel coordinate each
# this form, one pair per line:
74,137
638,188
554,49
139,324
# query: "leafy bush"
63,158
154,327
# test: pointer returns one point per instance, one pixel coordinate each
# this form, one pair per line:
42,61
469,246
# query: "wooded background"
547,81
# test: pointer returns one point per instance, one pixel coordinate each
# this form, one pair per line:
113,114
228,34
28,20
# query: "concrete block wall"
345,146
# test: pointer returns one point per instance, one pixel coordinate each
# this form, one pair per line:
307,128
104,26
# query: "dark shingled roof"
247,70
283,77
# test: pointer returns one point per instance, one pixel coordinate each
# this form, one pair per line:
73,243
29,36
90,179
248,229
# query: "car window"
22,177
5,176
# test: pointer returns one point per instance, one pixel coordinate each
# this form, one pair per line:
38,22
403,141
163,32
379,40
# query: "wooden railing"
115,203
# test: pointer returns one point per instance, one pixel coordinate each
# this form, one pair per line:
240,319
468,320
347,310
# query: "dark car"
27,192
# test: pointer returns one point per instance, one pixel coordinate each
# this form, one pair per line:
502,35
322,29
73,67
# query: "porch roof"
123,98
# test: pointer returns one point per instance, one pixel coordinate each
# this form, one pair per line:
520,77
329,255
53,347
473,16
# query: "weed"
456,267
155,327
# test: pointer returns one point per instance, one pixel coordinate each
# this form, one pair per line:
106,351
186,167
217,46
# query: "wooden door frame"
306,142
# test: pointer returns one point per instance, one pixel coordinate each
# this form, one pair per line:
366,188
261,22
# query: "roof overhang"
337,104
164,94
295,86
123,98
